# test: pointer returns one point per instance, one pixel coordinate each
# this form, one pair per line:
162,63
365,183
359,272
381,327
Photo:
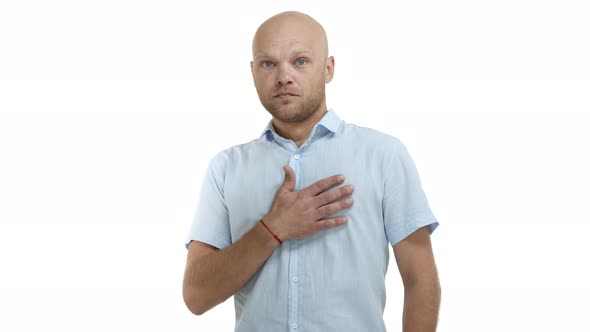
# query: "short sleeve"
211,219
405,207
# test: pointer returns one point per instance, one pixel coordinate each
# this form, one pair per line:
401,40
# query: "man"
276,225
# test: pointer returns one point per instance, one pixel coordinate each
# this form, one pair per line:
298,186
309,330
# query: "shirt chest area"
252,181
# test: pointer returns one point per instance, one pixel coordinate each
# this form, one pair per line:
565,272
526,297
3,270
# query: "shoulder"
366,137
224,157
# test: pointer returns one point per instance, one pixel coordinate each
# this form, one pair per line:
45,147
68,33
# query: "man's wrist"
265,237
271,232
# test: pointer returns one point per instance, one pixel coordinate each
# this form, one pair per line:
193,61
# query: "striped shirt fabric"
333,280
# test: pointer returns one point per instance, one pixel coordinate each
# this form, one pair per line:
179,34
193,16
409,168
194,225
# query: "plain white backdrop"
111,110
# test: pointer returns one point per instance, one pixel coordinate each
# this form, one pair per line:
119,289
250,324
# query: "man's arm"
212,275
415,261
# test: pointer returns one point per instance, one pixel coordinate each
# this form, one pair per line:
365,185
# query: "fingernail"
341,178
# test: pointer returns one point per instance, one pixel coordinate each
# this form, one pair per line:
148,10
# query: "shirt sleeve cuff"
215,241
396,234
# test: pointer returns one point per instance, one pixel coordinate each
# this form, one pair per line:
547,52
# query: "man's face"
290,69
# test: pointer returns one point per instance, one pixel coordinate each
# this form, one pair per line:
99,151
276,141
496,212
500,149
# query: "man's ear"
329,72
252,67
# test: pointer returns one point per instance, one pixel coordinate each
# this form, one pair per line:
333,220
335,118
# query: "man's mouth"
285,95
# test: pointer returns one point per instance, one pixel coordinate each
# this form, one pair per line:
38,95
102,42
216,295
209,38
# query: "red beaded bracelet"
273,234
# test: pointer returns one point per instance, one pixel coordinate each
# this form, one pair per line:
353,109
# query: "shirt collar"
330,121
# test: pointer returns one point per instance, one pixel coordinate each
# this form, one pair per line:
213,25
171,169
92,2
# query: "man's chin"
296,111
291,118
286,113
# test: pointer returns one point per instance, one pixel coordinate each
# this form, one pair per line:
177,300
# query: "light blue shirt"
333,280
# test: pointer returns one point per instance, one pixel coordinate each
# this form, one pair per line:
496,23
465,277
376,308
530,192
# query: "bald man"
297,224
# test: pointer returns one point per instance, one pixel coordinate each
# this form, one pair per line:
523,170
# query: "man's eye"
301,62
266,64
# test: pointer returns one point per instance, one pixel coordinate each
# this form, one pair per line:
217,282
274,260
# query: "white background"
111,110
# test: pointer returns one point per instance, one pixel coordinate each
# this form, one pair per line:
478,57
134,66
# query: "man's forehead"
287,44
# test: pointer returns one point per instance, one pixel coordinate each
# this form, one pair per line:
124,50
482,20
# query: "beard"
298,110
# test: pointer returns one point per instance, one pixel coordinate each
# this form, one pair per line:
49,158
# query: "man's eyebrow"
262,55
296,52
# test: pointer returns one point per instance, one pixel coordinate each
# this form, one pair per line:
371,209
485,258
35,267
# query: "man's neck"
299,132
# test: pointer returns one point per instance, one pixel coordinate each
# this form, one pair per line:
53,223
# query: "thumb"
289,182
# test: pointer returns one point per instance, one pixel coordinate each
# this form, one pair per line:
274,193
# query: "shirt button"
295,279
296,156
294,325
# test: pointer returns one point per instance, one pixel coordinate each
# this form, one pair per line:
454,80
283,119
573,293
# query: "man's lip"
285,94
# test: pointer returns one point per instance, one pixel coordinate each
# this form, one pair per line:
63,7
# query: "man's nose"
284,75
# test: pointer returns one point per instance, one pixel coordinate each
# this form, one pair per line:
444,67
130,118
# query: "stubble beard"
297,112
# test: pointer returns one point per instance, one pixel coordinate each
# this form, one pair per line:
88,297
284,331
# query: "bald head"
290,26
291,68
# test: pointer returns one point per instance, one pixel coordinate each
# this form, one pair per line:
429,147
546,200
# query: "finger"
330,223
330,196
289,181
323,184
332,208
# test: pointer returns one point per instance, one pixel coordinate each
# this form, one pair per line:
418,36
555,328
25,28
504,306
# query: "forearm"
421,305
211,279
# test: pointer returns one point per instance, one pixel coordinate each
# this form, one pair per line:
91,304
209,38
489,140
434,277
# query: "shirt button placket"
294,289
